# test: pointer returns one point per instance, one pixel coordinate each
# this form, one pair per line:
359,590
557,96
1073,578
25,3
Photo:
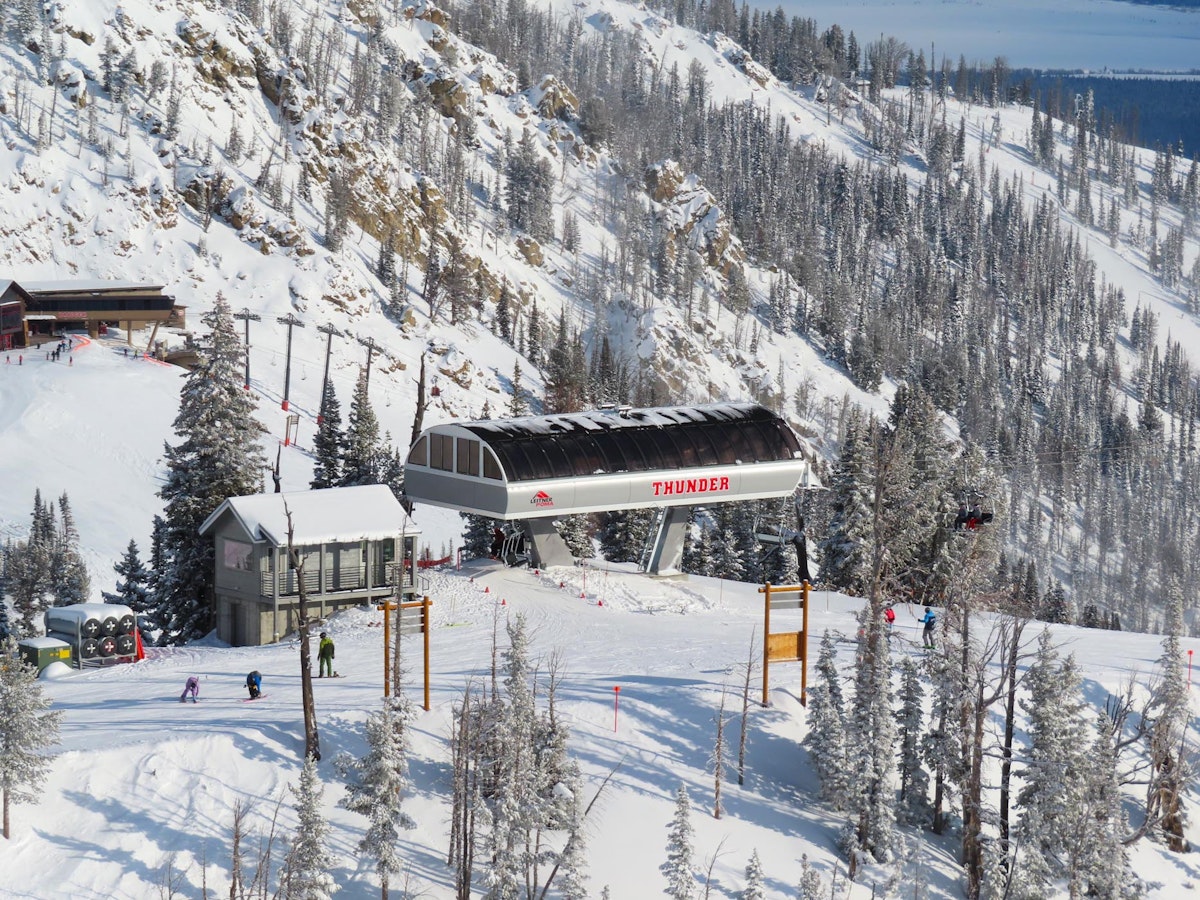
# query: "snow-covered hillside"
144,791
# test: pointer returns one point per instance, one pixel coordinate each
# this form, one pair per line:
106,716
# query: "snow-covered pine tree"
810,887
309,862
218,456
574,532
1051,800
1103,865
846,549
826,738
914,780
329,442
27,728
69,580
477,536
133,585
517,811
679,868
362,448
1166,736
756,888
572,860
377,785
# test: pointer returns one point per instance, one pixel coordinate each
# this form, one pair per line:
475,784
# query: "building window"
441,452
237,555
491,468
468,457
419,455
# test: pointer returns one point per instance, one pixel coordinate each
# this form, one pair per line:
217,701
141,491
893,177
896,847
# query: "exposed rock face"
557,101
217,64
691,212
531,250
756,72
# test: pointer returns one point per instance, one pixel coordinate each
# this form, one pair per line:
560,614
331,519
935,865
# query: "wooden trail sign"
413,619
785,646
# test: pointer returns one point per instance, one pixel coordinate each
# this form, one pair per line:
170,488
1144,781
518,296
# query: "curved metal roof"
598,442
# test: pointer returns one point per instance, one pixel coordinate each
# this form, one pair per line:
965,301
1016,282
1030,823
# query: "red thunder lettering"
690,486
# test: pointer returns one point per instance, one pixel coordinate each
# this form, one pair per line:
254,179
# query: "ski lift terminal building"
535,469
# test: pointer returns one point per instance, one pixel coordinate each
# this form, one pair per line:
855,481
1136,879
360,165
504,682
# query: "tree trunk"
1010,707
312,740
6,833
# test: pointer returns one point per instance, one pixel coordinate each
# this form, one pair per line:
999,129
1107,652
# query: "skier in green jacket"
325,656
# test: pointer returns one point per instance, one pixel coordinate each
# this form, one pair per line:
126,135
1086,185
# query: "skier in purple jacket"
190,687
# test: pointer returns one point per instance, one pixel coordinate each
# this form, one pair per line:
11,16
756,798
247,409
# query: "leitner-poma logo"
541,498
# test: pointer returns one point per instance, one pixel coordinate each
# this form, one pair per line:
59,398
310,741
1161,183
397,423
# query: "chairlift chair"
974,510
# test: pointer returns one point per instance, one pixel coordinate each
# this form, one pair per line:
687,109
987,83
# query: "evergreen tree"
810,882
378,785
755,880
574,532
679,867
914,780
1051,799
132,588
310,860
329,444
218,456
27,729
363,454
477,536
826,739
846,549
68,573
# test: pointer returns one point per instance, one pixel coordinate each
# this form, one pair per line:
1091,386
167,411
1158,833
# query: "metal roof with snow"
331,515
538,466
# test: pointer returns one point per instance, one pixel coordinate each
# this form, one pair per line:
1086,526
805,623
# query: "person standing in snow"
254,684
325,656
889,616
191,687
929,620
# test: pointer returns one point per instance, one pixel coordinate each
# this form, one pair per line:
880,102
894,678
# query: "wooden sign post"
785,646
414,619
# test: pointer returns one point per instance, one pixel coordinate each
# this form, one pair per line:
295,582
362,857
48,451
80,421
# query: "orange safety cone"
537,572
561,585
487,588
582,594
137,638
503,602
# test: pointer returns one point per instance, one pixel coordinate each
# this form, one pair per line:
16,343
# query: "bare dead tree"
718,758
312,740
750,660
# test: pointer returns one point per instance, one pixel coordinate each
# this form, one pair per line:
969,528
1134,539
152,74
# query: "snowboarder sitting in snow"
192,687
325,656
254,684
929,620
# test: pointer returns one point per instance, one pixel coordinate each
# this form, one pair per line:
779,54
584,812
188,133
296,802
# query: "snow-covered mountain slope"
187,145
145,789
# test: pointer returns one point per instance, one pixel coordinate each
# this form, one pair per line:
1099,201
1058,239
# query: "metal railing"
340,580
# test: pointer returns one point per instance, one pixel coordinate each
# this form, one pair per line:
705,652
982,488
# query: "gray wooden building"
356,544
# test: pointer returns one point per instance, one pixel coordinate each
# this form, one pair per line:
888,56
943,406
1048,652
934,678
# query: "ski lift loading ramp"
535,469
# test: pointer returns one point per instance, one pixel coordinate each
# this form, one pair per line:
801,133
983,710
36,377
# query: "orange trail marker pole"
616,704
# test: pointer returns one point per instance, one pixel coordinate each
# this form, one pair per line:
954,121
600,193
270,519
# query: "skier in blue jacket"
254,684
929,621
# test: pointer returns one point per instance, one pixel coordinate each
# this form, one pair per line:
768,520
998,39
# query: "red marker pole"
1189,668
616,703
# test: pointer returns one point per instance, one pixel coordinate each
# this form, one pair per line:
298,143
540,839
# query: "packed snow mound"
56,671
